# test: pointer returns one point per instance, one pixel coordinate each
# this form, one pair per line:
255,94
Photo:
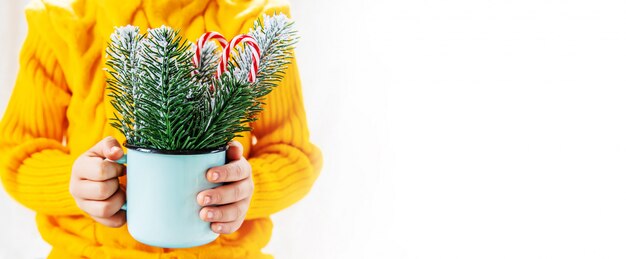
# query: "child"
54,134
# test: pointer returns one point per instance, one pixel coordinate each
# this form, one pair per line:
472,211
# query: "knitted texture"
59,108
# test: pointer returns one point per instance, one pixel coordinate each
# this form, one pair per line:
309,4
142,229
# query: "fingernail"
114,149
219,228
207,200
215,176
209,215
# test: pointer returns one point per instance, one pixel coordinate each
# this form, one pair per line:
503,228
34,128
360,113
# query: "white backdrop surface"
450,129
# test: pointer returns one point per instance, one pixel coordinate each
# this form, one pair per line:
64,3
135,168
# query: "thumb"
108,148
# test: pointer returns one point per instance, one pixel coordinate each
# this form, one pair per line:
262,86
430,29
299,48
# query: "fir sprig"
276,37
124,60
166,107
164,102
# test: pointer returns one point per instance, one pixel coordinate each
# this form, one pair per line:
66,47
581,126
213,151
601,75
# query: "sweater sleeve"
284,162
35,165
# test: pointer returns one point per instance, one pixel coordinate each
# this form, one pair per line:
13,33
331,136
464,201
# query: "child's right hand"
95,184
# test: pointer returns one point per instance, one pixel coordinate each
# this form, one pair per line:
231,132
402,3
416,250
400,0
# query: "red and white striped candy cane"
256,53
197,58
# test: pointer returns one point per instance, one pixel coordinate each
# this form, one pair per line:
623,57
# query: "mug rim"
176,152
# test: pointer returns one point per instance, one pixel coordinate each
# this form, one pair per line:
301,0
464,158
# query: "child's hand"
95,185
232,198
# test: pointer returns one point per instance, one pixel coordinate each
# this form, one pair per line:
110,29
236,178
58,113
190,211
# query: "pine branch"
206,71
166,107
276,37
228,113
208,65
124,77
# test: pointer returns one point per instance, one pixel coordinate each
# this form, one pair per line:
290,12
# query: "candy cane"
242,38
197,58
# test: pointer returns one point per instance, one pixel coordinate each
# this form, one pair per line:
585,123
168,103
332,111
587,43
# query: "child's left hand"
232,198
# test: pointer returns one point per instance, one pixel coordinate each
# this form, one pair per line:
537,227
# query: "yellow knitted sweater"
59,109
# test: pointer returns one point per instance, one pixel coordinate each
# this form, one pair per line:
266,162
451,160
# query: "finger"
226,194
226,213
94,190
106,208
101,170
115,221
234,171
226,227
108,148
235,150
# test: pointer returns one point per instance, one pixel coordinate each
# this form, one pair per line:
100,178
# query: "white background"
451,129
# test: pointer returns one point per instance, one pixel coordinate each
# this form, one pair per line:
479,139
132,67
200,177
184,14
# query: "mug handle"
122,161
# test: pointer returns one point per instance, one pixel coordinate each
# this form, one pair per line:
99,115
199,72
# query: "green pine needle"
162,101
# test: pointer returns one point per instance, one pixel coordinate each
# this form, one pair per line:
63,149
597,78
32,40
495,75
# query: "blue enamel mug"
161,189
